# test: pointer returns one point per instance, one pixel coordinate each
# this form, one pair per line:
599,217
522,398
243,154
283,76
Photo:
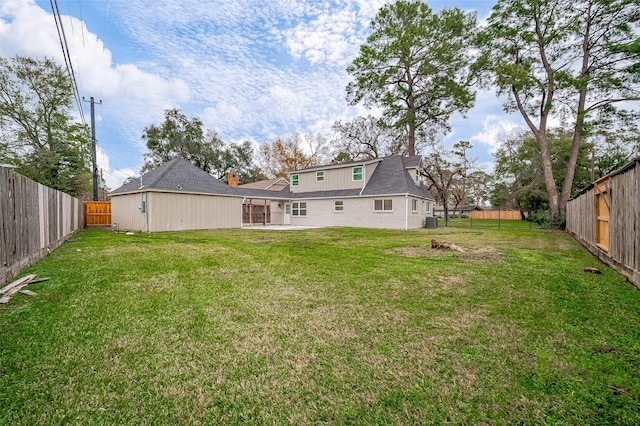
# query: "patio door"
286,219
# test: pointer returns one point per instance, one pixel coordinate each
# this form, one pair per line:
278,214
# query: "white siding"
277,210
358,212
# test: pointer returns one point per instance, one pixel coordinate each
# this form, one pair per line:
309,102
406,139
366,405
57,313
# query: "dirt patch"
482,254
421,251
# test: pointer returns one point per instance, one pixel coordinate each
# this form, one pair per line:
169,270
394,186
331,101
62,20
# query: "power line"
67,57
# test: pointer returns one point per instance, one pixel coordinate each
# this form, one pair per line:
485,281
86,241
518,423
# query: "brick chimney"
232,179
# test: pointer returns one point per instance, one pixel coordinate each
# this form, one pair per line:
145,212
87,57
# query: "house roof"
391,177
266,184
337,166
177,175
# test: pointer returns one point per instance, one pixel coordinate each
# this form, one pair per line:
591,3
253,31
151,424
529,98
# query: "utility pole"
93,147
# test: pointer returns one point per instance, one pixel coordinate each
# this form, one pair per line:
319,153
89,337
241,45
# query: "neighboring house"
277,184
173,197
378,193
462,210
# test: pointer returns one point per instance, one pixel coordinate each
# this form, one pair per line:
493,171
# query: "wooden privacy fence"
605,218
97,213
496,214
33,219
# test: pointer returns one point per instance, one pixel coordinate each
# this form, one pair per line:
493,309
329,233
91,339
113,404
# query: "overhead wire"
67,57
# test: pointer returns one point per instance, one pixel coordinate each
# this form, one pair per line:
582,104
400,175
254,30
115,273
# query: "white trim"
383,209
337,166
352,174
406,210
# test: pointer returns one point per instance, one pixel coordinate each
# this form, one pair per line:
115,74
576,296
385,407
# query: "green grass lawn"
338,326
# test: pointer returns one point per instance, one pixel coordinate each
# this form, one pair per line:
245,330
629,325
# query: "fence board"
97,213
497,214
623,226
33,218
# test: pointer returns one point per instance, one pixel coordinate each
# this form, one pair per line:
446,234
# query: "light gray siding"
166,211
277,210
178,212
359,212
334,178
125,212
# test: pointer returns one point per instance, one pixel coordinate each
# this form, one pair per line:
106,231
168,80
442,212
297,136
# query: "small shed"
176,196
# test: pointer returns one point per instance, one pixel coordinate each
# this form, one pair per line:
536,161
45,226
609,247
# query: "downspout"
146,210
242,212
364,179
406,211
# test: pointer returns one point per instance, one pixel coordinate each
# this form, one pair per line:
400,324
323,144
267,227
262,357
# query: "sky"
249,69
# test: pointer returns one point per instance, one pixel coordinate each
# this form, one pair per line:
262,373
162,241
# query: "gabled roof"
336,166
266,184
177,175
391,177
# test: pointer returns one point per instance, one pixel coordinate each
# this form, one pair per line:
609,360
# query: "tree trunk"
579,128
549,182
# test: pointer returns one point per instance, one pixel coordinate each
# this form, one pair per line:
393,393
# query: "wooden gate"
602,200
97,213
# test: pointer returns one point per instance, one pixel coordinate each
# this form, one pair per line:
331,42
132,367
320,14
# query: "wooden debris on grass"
444,245
17,286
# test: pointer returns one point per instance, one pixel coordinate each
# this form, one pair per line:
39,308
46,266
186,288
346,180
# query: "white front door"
287,214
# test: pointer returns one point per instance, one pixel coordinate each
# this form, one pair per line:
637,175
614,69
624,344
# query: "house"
259,210
461,210
277,184
378,193
173,197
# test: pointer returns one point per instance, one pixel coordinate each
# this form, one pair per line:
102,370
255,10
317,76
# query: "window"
417,176
382,205
294,180
299,209
320,176
428,207
357,173
414,205
338,206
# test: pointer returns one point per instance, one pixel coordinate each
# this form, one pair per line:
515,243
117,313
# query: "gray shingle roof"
178,175
391,177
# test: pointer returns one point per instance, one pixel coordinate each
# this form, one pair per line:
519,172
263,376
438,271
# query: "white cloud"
113,177
494,130
126,90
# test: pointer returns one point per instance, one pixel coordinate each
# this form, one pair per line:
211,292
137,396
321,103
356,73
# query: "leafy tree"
479,186
416,66
364,138
291,153
180,136
461,185
518,172
571,59
444,169
39,135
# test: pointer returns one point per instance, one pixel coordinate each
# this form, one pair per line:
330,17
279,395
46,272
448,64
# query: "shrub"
543,218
